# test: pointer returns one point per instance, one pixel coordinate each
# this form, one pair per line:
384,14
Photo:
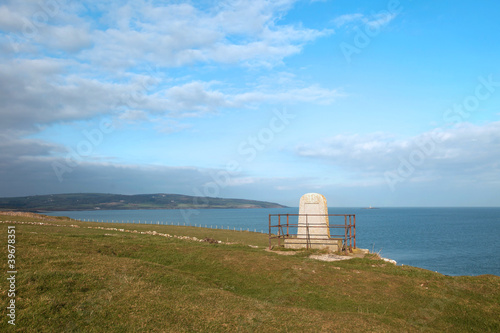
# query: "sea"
451,241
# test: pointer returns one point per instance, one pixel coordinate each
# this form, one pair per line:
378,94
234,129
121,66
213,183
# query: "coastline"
389,232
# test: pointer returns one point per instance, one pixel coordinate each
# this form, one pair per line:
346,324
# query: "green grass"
92,280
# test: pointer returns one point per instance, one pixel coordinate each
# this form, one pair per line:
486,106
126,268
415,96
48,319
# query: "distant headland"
97,201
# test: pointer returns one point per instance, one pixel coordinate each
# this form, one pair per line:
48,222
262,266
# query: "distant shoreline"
101,201
159,208
41,211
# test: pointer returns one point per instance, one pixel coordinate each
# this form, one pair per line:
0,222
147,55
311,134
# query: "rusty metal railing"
345,232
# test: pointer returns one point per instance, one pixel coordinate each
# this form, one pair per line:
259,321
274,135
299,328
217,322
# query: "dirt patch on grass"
283,253
329,257
357,253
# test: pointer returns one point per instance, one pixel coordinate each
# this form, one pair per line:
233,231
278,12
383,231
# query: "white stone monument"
313,227
313,217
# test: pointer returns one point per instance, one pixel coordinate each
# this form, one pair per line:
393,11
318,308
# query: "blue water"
452,241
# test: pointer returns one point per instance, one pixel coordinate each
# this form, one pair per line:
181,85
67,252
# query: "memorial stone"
313,217
313,226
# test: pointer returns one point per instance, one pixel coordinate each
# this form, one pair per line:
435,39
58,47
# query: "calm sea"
452,241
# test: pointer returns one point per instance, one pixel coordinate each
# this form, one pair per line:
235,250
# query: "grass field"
82,279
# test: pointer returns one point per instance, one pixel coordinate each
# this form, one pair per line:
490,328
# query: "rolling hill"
90,201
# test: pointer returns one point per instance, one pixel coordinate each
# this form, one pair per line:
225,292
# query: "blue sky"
382,103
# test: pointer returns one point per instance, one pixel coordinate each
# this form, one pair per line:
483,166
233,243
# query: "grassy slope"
89,280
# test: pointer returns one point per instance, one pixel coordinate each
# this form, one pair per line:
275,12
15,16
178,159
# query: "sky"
370,103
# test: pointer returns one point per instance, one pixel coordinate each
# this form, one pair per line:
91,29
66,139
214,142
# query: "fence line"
174,223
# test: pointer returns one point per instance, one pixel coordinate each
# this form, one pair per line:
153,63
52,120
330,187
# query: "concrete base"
333,245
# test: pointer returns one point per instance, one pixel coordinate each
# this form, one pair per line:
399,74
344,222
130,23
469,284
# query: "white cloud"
133,115
374,21
468,152
10,20
166,34
314,94
380,20
28,83
197,98
347,18
12,148
181,34
104,73
41,91
194,96
68,39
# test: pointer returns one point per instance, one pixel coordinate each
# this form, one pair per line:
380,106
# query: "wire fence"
176,223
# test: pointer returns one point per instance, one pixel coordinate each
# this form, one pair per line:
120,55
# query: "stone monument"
313,217
313,226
